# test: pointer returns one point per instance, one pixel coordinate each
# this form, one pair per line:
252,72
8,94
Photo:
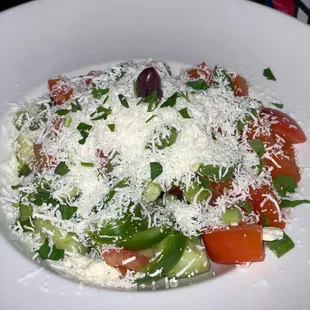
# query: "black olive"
147,82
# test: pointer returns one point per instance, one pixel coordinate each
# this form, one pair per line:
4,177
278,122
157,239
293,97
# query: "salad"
131,175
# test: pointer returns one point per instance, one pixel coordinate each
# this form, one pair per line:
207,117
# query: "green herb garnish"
45,252
85,164
62,112
156,170
284,184
62,168
184,113
198,84
278,105
105,113
258,146
123,101
111,127
16,186
84,131
221,76
67,211
247,206
99,92
171,101
76,107
292,203
216,173
269,75
150,118
282,246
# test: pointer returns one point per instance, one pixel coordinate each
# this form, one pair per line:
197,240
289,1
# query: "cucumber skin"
200,265
124,227
62,243
152,191
145,239
231,215
24,155
172,249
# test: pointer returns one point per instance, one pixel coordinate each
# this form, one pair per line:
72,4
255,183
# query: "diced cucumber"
35,125
24,154
20,119
152,191
193,261
231,215
170,251
165,141
147,252
24,170
169,197
71,194
25,212
68,242
160,202
196,192
67,121
117,231
168,140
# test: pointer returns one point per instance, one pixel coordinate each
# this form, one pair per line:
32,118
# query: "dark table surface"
5,4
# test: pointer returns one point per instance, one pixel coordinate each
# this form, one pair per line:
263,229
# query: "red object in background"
285,6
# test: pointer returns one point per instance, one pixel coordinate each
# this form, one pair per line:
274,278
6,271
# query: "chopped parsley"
184,113
150,118
156,170
269,75
171,101
111,127
67,211
104,113
123,101
62,112
99,92
292,203
84,164
45,252
258,146
278,105
84,131
284,185
198,84
62,169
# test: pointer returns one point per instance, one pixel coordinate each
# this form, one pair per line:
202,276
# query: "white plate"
44,38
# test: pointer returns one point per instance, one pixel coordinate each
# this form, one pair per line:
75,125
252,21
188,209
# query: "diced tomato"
119,257
241,85
201,72
237,244
266,206
43,161
253,133
58,124
103,158
122,270
218,189
175,191
284,163
281,157
286,127
91,75
59,89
